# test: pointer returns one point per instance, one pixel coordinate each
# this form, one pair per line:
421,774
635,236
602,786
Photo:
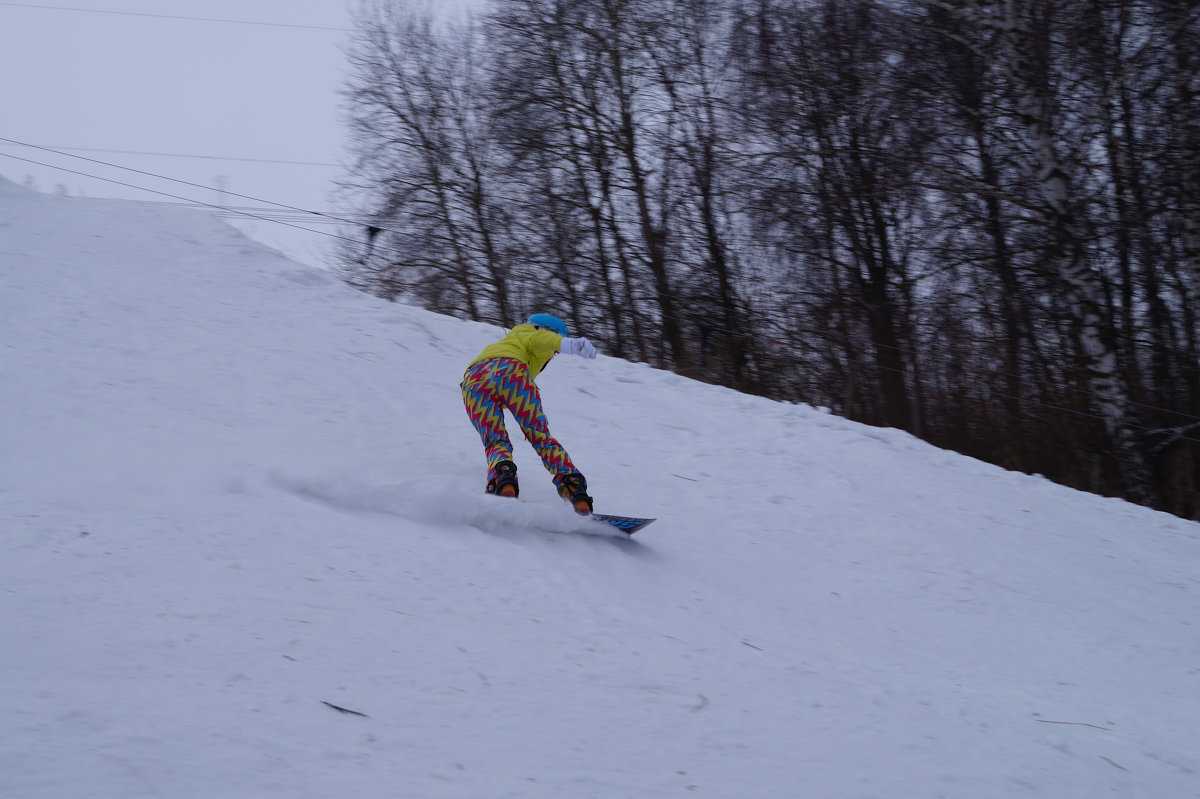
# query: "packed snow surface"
239,499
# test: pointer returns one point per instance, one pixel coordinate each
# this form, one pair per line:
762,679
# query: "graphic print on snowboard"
626,524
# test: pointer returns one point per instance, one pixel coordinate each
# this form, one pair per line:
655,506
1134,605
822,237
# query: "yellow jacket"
532,346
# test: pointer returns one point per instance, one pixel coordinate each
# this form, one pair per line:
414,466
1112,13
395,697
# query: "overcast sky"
99,76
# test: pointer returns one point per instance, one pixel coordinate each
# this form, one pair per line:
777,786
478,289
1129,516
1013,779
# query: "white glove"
577,346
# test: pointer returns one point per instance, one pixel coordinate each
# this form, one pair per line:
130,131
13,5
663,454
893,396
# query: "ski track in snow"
237,495
443,499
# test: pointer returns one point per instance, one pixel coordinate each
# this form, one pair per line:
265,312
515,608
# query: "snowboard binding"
504,481
573,488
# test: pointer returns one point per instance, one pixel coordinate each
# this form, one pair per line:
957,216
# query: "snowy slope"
232,490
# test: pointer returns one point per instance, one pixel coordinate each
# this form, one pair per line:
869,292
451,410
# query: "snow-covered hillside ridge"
236,495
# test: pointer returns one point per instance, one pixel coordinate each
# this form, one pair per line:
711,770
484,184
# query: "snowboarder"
502,377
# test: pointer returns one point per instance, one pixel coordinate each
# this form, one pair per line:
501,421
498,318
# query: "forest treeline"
977,221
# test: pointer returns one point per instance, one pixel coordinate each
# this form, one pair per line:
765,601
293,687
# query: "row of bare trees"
975,220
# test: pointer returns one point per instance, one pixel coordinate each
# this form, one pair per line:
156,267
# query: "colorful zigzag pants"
488,388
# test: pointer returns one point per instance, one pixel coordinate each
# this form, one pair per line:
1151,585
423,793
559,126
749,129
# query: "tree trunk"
1025,35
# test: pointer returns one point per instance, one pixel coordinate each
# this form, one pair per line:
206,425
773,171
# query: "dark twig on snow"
1077,724
344,710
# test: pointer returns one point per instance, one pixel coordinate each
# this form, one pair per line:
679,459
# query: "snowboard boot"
504,484
573,488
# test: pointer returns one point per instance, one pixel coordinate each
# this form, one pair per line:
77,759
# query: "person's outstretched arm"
577,346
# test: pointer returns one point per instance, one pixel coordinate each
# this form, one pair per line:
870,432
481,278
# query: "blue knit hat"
549,322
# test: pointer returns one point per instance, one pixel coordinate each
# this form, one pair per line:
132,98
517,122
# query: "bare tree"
422,152
577,80
837,146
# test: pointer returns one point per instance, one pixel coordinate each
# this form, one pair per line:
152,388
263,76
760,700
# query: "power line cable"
234,211
187,155
177,197
228,211
160,177
177,17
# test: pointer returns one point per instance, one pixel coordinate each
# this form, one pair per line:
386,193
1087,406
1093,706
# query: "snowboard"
626,524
